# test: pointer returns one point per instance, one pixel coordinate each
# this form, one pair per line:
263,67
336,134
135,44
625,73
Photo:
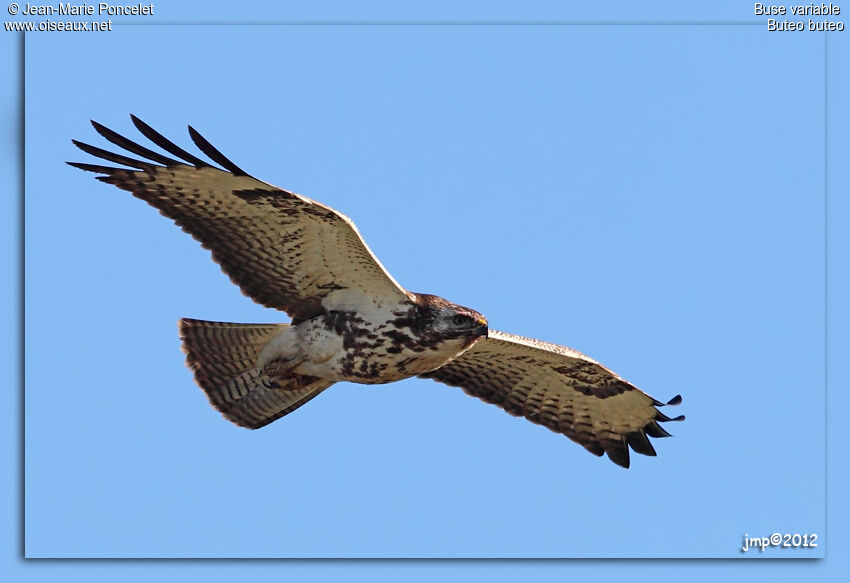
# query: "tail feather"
223,357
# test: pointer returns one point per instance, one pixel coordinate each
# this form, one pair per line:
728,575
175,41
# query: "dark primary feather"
283,250
167,145
110,156
213,153
132,146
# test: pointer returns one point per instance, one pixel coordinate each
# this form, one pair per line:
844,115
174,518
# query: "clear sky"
652,195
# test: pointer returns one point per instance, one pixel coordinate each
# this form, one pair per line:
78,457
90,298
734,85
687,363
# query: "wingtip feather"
166,144
207,148
620,456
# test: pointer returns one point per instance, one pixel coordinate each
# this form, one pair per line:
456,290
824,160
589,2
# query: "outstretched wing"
283,250
561,389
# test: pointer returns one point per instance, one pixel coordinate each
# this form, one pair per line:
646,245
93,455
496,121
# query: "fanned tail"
223,357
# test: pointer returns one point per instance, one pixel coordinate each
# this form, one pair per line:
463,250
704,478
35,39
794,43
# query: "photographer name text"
85,9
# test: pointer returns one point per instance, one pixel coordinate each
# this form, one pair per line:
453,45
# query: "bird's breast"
351,346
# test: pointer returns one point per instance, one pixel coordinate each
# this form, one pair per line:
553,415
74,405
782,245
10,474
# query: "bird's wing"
283,250
561,389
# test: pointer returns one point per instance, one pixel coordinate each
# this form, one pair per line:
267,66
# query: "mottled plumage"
351,321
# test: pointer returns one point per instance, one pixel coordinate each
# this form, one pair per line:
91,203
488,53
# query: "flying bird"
350,320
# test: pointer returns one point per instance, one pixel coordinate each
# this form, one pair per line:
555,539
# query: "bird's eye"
461,320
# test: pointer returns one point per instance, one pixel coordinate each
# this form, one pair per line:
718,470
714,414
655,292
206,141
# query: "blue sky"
650,195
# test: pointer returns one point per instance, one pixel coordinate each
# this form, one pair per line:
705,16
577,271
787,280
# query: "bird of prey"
350,320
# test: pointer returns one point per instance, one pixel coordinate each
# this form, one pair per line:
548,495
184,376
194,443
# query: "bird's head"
443,321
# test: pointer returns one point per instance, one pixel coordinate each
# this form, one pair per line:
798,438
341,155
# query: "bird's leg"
280,368
281,354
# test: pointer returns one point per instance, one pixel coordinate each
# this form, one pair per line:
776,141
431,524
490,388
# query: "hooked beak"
482,326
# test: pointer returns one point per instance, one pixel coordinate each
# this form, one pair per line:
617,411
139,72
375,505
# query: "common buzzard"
351,321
